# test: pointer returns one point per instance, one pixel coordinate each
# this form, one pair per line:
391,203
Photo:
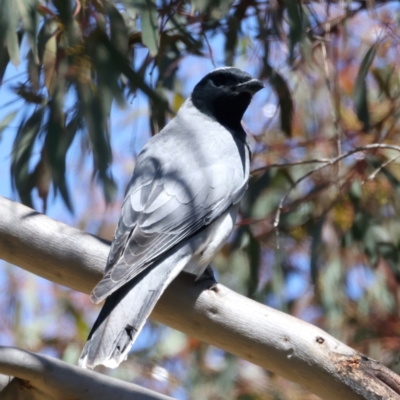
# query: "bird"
179,209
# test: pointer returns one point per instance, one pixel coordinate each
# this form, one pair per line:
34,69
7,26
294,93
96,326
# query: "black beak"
252,86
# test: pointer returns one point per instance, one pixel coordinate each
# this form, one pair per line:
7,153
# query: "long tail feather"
127,309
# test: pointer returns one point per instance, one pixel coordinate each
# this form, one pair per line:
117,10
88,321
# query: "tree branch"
325,162
44,378
214,314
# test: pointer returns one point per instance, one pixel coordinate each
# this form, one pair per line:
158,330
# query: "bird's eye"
220,80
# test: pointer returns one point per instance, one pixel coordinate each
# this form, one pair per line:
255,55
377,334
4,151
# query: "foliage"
318,235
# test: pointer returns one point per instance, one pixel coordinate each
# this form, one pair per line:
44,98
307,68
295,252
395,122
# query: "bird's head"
225,94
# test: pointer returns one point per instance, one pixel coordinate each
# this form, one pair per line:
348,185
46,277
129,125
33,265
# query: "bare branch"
212,313
379,169
38,377
326,162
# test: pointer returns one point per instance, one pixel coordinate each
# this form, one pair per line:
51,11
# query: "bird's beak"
252,86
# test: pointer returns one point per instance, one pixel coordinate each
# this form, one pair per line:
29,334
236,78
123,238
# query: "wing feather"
162,207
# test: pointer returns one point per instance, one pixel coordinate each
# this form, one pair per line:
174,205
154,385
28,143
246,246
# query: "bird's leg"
207,275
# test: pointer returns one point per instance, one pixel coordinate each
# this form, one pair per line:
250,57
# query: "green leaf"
217,9
97,124
296,34
118,30
108,71
136,81
384,78
57,142
9,21
33,70
47,31
27,133
5,122
4,59
148,14
71,27
285,99
360,87
158,117
49,63
147,10
30,22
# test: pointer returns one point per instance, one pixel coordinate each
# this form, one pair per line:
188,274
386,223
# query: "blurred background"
85,83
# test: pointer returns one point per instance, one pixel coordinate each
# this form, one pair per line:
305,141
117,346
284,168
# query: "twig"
278,212
210,51
291,164
376,172
331,162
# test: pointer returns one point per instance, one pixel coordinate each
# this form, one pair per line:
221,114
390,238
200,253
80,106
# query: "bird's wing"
164,206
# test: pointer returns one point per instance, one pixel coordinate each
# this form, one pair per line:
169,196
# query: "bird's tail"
127,309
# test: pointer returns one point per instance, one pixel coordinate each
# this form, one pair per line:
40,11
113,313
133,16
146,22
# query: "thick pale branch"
39,377
276,341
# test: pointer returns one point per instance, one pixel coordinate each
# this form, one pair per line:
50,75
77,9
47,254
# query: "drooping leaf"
107,69
118,29
360,88
41,177
64,9
215,9
21,177
168,60
186,37
158,117
147,10
285,99
66,17
49,63
5,122
136,81
30,22
296,33
384,77
177,102
47,31
97,124
9,21
4,59
57,142
33,71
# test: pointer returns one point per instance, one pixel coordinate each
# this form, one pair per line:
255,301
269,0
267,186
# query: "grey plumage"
179,209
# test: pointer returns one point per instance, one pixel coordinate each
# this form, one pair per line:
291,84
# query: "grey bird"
179,209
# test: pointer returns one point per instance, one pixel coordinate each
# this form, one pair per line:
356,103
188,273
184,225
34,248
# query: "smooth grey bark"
212,313
45,378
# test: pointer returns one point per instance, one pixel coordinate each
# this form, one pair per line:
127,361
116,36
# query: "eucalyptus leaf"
118,29
9,22
296,33
27,133
30,22
360,94
147,10
97,124
5,122
47,31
